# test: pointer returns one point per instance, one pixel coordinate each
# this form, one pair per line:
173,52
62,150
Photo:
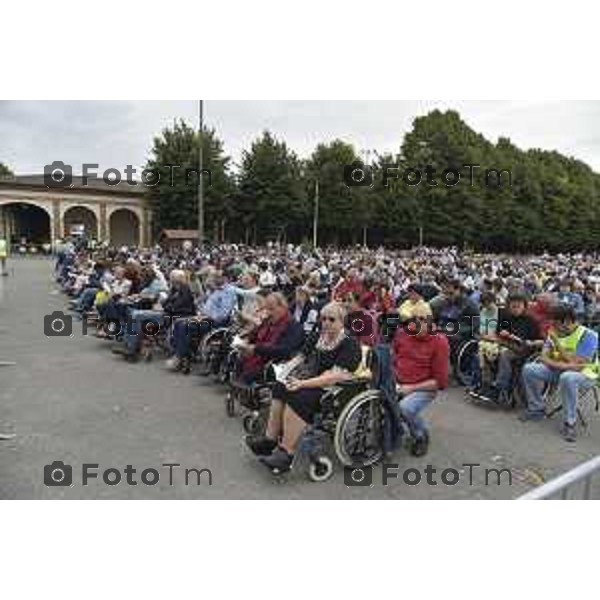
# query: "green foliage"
552,204
174,200
271,201
5,171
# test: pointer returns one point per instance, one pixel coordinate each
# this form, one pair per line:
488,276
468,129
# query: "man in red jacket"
421,358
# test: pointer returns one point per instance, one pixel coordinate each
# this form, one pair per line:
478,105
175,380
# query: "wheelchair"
349,427
465,362
214,352
510,400
588,402
253,399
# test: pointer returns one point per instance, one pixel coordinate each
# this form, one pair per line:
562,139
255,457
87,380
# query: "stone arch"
124,225
81,214
25,218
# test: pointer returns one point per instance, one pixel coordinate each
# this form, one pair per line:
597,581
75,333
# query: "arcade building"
40,215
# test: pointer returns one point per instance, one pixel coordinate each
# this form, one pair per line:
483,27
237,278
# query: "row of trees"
553,202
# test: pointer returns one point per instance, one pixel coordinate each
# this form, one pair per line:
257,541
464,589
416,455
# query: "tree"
174,199
5,171
339,205
272,199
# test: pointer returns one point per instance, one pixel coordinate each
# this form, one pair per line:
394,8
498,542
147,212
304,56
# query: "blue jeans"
504,374
184,333
535,375
411,406
86,299
135,322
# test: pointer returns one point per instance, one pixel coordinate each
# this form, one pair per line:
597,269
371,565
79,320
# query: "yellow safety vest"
3,248
569,344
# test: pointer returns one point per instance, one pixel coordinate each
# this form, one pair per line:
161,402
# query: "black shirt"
523,326
346,355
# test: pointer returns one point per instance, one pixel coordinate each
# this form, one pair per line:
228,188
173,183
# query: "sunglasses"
329,319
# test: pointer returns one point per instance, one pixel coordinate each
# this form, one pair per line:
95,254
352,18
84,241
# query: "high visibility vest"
3,246
569,344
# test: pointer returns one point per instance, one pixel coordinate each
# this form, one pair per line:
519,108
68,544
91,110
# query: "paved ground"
70,399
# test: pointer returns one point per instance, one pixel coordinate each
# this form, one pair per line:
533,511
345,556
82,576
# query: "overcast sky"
115,134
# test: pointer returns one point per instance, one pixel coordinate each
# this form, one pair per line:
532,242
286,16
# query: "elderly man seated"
296,402
215,311
113,312
277,338
141,322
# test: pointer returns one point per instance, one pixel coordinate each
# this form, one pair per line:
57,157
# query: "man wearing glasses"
421,358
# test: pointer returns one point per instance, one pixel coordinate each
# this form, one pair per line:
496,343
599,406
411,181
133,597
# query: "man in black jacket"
518,334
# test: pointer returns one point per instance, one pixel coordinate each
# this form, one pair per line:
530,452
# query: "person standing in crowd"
3,256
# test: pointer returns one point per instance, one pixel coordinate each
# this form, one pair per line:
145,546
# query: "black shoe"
260,444
279,461
569,432
119,349
420,446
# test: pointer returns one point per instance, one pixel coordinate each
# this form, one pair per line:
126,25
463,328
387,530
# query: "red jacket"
345,287
266,337
540,313
418,358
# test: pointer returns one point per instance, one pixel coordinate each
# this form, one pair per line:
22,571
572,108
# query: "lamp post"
200,182
424,146
316,214
367,154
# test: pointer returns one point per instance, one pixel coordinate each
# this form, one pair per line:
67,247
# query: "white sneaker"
172,363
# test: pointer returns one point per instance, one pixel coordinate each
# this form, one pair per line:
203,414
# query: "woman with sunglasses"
296,402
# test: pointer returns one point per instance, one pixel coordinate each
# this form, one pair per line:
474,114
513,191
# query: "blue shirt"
588,345
220,304
572,299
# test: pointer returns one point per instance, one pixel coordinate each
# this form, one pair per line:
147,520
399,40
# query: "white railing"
568,482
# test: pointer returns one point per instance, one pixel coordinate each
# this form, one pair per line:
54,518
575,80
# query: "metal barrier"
561,485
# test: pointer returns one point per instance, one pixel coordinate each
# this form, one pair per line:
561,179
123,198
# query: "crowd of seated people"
288,298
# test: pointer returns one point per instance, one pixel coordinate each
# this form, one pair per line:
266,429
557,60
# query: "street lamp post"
316,214
200,182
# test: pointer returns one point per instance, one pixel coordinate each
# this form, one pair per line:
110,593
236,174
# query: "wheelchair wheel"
320,468
208,349
253,424
358,433
464,364
588,402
